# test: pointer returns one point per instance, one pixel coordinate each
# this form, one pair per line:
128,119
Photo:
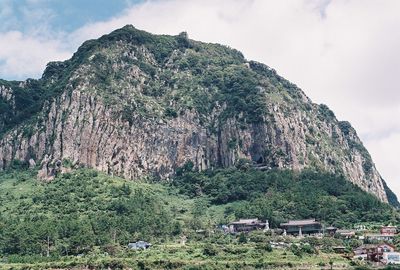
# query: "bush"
210,250
257,237
242,238
296,250
308,249
264,247
170,112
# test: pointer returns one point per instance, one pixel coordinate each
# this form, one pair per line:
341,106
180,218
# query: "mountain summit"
135,104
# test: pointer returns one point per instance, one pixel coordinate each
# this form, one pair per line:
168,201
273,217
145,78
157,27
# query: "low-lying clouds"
343,53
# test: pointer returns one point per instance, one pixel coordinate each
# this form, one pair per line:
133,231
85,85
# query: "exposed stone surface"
81,128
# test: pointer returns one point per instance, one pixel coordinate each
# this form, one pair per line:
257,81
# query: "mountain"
139,105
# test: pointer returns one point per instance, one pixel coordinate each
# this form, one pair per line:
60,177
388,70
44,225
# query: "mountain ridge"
134,104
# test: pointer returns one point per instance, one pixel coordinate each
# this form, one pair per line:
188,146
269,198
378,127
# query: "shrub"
170,112
242,238
264,247
210,250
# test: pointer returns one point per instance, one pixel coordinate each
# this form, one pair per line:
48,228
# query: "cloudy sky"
344,53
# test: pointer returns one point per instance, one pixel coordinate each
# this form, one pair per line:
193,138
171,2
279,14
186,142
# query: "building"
374,253
365,252
382,248
300,227
346,233
339,249
388,230
139,245
390,258
247,225
360,227
379,237
331,230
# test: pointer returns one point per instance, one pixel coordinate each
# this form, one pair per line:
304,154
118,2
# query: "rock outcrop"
135,105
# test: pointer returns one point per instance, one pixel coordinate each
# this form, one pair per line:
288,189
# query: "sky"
343,53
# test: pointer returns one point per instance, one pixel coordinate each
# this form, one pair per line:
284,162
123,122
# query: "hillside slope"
84,210
135,104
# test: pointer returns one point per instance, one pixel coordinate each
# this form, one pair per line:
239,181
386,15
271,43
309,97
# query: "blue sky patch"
65,16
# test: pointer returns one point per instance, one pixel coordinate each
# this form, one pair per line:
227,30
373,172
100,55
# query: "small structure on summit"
300,227
247,225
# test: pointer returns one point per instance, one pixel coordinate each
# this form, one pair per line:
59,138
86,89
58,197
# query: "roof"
339,247
386,244
366,246
331,228
345,232
380,235
247,221
139,243
370,246
391,253
300,222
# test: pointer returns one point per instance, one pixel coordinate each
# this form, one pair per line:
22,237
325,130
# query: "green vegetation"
392,198
87,218
209,75
78,211
28,100
213,253
325,112
282,195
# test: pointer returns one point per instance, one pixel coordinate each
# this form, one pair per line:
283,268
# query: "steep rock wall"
79,128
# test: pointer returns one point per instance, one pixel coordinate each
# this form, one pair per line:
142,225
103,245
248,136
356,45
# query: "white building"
391,258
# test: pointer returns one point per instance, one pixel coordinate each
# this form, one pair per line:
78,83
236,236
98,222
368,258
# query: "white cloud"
24,56
343,53
389,147
26,51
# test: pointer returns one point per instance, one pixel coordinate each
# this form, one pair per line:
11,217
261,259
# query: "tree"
242,238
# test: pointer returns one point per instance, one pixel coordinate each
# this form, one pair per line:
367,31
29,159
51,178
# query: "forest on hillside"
85,209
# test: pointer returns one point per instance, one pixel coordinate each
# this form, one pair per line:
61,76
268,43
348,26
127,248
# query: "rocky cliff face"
135,104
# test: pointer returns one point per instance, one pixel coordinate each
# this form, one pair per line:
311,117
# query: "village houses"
377,246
